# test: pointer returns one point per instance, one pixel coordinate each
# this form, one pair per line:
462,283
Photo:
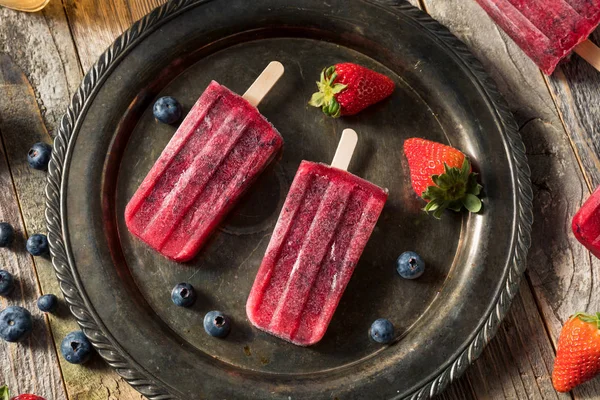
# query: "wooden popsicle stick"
589,52
345,149
263,84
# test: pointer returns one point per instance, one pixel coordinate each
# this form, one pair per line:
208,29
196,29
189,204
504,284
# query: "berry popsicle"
220,148
586,223
548,30
326,221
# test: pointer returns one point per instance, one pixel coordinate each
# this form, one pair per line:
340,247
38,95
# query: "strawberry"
5,395
578,355
347,88
442,176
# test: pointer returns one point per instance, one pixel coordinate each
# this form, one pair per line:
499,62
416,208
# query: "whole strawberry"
578,355
5,395
442,176
347,88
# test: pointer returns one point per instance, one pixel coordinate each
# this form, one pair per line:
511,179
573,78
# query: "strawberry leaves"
325,97
4,394
454,189
592,319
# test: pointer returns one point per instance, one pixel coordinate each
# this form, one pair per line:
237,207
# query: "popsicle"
586,223
221,147
326,221
548,30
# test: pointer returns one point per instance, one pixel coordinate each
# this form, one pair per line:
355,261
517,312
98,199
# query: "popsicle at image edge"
326,221
219,150
548,30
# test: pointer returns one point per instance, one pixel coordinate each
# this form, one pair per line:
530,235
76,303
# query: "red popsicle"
326,221
586,223
548,30
221,147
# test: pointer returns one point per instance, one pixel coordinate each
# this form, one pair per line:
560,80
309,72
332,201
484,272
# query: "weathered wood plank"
33,46
31,366
139,8
66,54
95,25
516,364
21,125
560,270
574,87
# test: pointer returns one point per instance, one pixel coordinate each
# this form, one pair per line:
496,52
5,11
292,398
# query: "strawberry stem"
593,319
454,189
326,96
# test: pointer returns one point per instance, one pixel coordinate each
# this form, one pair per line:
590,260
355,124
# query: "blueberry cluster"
16,323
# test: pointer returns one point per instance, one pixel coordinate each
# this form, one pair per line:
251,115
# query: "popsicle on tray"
220,148
326,221
548,30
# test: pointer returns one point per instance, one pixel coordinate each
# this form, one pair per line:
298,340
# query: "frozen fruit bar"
223,144
325,223
586,223
546,30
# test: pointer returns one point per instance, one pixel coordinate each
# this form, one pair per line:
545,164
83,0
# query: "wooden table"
559,118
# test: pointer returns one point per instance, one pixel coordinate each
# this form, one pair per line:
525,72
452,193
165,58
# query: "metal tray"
119,289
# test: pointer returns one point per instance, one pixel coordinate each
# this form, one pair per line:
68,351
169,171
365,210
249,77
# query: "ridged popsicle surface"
546,30
223,144
325,223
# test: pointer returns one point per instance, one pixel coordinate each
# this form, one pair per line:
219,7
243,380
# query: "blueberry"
217,324
167,110
48,303
7,283
410,265
39,155
382,331
183,295
37,244
7,234
15,324
76,348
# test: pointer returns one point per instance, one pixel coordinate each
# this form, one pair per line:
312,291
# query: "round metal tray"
119,289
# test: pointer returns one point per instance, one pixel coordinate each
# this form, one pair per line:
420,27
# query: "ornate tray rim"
69,280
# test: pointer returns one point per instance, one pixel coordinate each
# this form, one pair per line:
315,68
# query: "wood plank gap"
423,6
70,25
35,268
55,347
72,41
14,188
567,132
130,13
540,310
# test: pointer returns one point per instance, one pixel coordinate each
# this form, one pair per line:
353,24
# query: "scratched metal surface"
127,285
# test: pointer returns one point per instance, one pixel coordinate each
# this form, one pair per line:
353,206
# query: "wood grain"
21,127
139,8
37,46
30,366
560,270
518,361
574,87
95,25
